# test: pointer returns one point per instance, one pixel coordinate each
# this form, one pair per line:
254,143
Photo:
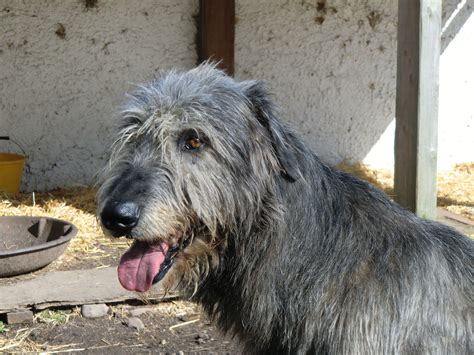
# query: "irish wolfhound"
226,203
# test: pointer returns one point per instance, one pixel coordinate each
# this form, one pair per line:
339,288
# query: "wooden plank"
457,13
406,109
430,49
455,217
460,223
68,288
216,32
416,134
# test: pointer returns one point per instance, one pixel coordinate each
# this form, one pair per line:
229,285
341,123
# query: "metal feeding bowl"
30,243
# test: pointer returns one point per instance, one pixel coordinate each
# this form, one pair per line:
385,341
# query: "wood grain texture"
216,32
416,134
68,288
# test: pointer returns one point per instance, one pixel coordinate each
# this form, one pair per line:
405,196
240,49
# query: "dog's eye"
192,144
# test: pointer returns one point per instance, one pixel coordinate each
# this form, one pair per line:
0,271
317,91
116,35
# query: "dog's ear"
259,100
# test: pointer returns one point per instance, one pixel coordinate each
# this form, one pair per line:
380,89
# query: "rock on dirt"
135,323
110,335
183,317
20,316
202,338
138,311
94,310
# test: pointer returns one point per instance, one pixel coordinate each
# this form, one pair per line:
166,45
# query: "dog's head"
196,156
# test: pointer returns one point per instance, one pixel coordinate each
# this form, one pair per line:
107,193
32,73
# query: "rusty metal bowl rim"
51,244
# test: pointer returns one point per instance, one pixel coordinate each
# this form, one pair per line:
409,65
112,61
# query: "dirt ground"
169,327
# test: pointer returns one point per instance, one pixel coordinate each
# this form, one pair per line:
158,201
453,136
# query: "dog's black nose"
120,216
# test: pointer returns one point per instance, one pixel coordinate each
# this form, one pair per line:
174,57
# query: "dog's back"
346,271
406,285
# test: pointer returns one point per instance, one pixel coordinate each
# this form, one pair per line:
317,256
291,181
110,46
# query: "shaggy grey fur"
288,254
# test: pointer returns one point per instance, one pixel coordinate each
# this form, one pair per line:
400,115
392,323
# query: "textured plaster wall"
331,65
65,67
456,92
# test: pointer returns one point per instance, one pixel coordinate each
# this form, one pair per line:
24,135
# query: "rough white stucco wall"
456,108
331,67
59,91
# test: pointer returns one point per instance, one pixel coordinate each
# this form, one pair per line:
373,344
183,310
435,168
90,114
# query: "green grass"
54,317
3,328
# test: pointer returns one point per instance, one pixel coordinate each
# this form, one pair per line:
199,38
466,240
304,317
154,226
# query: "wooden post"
215,39
416,134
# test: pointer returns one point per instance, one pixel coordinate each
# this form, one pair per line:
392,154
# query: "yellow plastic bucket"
11,169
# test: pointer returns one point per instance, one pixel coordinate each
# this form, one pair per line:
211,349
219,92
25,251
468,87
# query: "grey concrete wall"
65,68
456,110
331,65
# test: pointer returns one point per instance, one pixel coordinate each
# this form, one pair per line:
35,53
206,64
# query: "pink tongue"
140,264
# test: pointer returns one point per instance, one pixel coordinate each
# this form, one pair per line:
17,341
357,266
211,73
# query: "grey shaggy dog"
227,204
